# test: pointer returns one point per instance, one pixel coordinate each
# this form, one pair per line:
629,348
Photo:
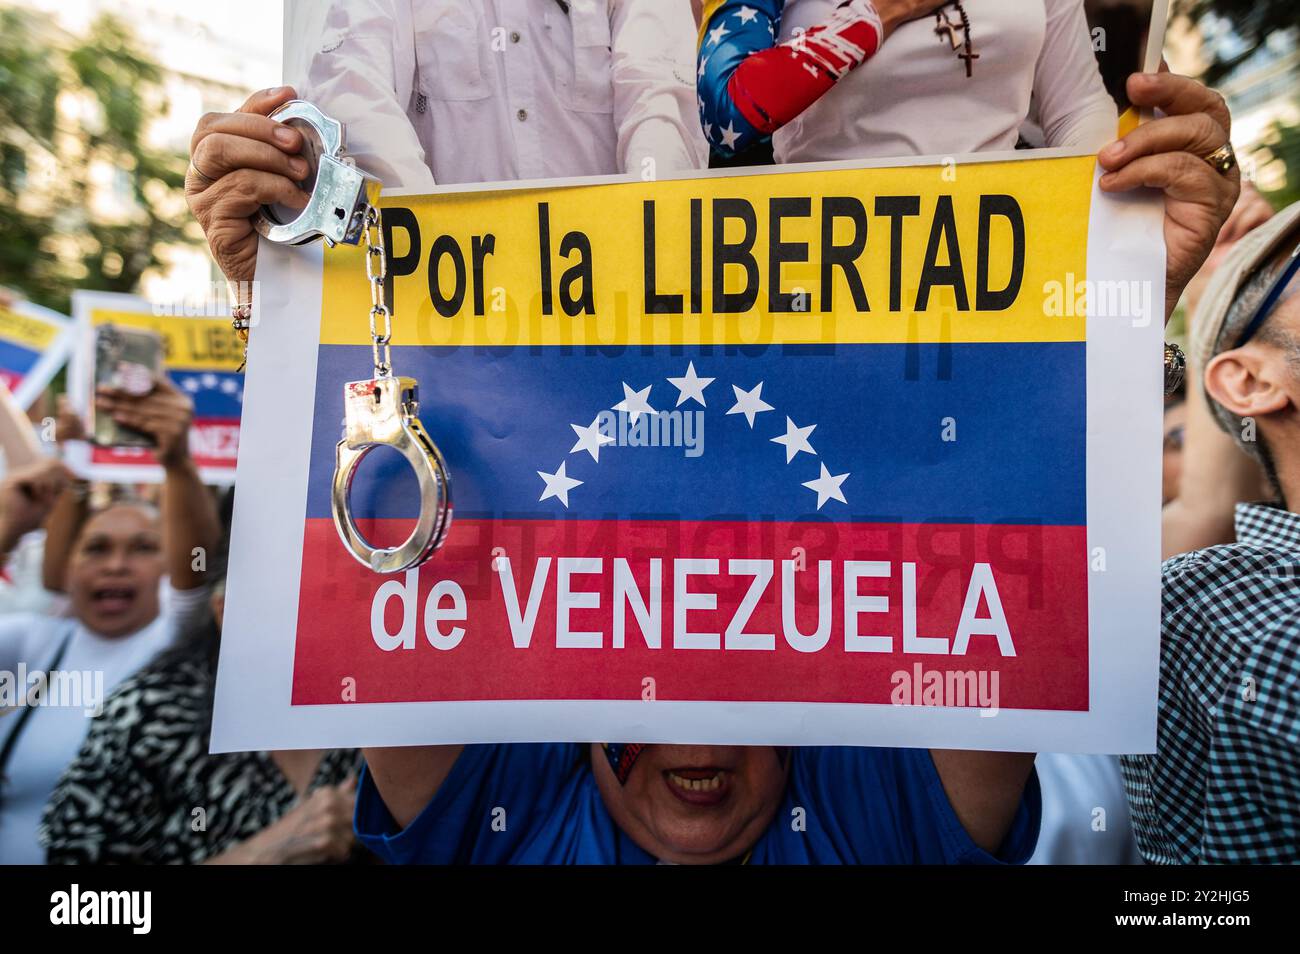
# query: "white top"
447,91
913,97
24,589
92,666
1086,819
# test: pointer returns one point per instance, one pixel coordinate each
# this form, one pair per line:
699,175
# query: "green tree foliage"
29,85
46,252
1283,144
1254,21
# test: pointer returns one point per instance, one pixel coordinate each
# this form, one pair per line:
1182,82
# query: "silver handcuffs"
341,193
383,410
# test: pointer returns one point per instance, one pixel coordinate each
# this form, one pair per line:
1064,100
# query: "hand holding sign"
1170,154
164,413
239,162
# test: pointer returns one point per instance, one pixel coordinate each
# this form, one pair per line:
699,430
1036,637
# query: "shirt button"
514,37
522,115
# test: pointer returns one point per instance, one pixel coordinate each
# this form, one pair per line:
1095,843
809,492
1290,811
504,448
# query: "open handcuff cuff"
383,410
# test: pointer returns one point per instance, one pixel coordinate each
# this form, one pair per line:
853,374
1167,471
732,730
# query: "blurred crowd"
117,593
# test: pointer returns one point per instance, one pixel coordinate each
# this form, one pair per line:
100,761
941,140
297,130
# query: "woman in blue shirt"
701,804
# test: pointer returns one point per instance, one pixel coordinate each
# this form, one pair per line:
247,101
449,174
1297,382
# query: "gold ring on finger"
1223,160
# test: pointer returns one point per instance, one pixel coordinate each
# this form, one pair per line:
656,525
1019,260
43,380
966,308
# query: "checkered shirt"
1224,784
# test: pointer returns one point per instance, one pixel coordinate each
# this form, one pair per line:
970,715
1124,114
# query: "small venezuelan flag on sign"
34,343
201,356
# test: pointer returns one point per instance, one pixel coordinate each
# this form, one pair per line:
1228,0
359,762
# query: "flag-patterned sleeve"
749,85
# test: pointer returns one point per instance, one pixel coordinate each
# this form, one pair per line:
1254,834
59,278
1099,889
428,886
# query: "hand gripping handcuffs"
381,411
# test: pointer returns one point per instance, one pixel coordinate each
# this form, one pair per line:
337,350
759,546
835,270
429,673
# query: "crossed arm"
750,85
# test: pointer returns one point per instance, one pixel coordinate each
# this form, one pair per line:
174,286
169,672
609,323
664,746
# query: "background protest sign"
200,355
34,343
843,455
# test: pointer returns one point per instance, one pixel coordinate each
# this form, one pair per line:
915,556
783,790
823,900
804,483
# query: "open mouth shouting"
113,600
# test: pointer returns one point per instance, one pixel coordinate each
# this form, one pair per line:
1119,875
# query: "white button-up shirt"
447,91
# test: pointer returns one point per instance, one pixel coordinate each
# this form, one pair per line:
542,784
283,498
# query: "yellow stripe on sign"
199,343
26,331
955,252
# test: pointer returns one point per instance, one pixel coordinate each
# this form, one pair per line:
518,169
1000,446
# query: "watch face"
311,152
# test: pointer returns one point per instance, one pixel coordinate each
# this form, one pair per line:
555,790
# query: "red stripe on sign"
213,443
936,614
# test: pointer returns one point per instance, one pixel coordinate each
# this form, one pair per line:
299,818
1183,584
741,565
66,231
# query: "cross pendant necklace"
957,33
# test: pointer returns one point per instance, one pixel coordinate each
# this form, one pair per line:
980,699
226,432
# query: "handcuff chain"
379,339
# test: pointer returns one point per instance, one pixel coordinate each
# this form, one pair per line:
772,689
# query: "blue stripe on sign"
15,358
216,394
882,413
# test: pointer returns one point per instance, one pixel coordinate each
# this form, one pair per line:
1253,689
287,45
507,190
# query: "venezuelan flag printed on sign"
768,438
34,343
201,356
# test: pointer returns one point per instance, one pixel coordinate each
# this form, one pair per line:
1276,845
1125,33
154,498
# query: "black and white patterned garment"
144,790
1224,784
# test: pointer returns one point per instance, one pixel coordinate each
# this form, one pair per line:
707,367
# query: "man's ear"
1248,382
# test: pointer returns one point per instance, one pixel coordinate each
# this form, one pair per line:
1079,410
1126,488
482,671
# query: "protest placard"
34,344
200,356
830,455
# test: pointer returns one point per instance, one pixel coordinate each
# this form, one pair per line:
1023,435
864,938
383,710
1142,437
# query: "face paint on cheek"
622,757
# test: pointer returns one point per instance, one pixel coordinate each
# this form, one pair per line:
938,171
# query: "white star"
745,14
229,386
729,136
209,380
191,384
708,131
635,403
795,439
690,386
558,485
827,487
750,403
590,439
703,60
715,36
